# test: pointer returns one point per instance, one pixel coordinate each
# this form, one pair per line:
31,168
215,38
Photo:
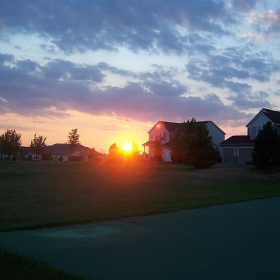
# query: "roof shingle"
238,140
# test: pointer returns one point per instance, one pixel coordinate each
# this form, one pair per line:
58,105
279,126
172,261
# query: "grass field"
39,194
15,267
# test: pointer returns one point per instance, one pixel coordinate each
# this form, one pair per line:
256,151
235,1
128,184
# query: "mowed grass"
41,194
14,267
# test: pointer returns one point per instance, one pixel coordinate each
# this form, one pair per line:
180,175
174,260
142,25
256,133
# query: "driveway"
236,241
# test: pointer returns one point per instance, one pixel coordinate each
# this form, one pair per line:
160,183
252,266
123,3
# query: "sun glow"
127,146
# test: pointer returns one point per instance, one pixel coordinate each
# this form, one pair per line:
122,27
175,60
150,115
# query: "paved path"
237,241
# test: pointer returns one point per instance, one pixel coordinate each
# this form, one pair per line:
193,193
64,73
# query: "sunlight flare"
127,146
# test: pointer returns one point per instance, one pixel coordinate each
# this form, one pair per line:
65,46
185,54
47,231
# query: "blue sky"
114,68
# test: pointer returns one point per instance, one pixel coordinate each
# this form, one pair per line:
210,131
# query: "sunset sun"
127,146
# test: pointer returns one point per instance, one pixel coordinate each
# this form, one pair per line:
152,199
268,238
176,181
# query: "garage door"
245,155
228,155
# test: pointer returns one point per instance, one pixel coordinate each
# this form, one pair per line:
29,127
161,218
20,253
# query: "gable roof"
238,140
272,115
61,149
173,126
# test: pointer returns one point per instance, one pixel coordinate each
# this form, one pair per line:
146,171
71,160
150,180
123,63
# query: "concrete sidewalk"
236,241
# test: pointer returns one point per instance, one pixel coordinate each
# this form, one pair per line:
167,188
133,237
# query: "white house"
163,131
239,148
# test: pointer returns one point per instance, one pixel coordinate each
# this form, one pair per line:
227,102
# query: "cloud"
79,26
60,69
244,6
166,89
233,70
31,89
141,60
248,101
265,24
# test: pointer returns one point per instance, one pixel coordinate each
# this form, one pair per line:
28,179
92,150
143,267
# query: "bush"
46,156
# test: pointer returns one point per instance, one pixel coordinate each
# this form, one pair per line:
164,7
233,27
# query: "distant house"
61,152
163,131
32,156
239,148
3,156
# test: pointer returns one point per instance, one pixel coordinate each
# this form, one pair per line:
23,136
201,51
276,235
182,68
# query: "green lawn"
15,267
40,194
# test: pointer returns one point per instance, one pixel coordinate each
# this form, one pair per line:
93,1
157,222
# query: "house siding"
217,135
256,125
159,132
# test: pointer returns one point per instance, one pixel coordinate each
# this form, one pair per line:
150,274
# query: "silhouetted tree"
113,149
10,142
92,154
134,154
157,150
46,156
38,144
266,153
73,140
113,153
192,144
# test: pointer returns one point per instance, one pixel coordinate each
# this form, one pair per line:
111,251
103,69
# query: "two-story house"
163,131
239,148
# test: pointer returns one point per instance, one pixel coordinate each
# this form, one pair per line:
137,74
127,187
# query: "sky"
113,69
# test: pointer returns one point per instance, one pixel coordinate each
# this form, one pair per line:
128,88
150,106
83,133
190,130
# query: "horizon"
113,69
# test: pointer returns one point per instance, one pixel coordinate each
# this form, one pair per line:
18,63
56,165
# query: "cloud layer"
224,52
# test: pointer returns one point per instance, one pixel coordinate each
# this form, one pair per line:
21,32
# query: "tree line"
10,142
191,144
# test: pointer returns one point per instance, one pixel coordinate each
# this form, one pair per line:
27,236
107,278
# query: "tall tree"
192,144
10,142
181,141
113,150
73,140
266,153
157,150
38,144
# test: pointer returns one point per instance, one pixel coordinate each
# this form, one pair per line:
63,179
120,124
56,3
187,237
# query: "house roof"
152,143
149,143
173,126
238,140
61,149
272,115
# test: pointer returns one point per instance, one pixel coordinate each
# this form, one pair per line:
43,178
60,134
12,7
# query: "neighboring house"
239,148
61,152
3,156
163,131
31,156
